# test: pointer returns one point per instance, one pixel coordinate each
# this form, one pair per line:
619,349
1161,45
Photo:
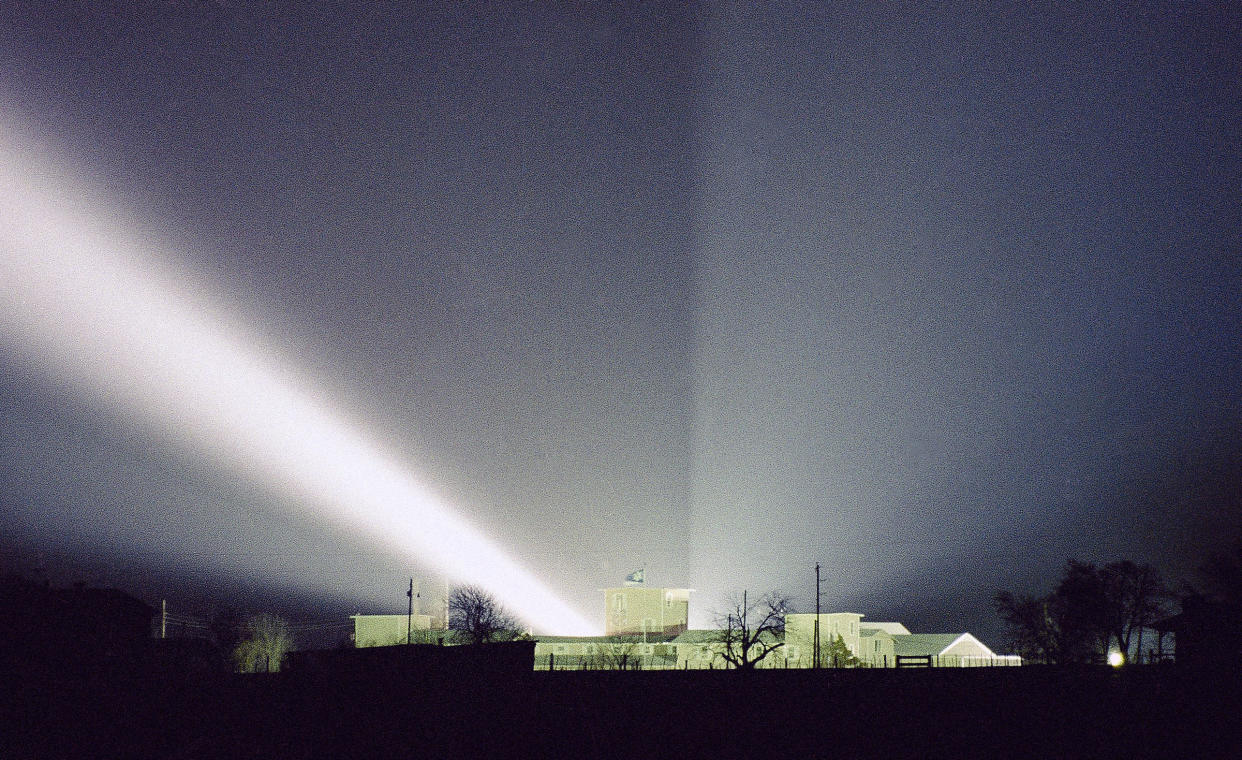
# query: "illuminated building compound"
647,629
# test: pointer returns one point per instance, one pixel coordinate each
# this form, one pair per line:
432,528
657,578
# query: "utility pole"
409,616
815,648
163,618
445,599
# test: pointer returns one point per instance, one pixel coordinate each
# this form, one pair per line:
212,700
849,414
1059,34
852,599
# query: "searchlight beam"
89,299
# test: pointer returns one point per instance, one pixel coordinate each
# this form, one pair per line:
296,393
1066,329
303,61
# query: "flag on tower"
636,578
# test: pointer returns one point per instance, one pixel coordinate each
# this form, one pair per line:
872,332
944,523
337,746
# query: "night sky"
936,298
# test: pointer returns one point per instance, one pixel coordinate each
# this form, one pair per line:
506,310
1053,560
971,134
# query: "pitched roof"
920,644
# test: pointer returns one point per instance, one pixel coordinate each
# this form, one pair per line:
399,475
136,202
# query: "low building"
705,650
876,646
620,652
646,629
386,630
1205,632
946,650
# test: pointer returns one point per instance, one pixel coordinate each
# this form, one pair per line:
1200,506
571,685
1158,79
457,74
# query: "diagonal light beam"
87,298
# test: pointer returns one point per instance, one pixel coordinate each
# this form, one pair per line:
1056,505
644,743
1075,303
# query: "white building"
635,610
386,630
948,650
428,627
646,629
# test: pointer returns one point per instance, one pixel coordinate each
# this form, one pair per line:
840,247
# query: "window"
618,602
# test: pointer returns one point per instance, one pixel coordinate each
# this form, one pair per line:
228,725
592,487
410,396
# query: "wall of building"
385,630
700,650
637,609
800,635
605,653
969,651
876,649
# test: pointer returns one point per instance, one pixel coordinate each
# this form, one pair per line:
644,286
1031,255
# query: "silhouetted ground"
1001,712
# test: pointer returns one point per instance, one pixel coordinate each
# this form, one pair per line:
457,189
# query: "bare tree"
1033,627
1136,598
1090,609
478,617
750,631
619,653
1087,613
267,640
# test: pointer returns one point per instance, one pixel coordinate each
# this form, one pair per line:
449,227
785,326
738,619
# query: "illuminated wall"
635,609
385,630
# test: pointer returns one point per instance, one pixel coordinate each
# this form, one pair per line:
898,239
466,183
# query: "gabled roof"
921,644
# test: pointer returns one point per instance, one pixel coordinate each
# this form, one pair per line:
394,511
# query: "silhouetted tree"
478,618
1037,630
1090,609
1135,597
618,653
750,631
1086,617
267,640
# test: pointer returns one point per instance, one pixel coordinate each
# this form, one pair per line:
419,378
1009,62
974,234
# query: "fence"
564,661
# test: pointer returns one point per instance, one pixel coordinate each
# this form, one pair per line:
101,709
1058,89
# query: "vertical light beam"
88,298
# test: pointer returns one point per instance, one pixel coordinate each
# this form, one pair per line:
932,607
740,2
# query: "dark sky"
936,298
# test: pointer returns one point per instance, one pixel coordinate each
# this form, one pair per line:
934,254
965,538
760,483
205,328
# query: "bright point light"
1116,659
87,298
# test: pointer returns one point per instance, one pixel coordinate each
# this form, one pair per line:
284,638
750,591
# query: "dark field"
1162,711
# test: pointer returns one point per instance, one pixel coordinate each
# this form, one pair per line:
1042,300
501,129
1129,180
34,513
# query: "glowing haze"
87,297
